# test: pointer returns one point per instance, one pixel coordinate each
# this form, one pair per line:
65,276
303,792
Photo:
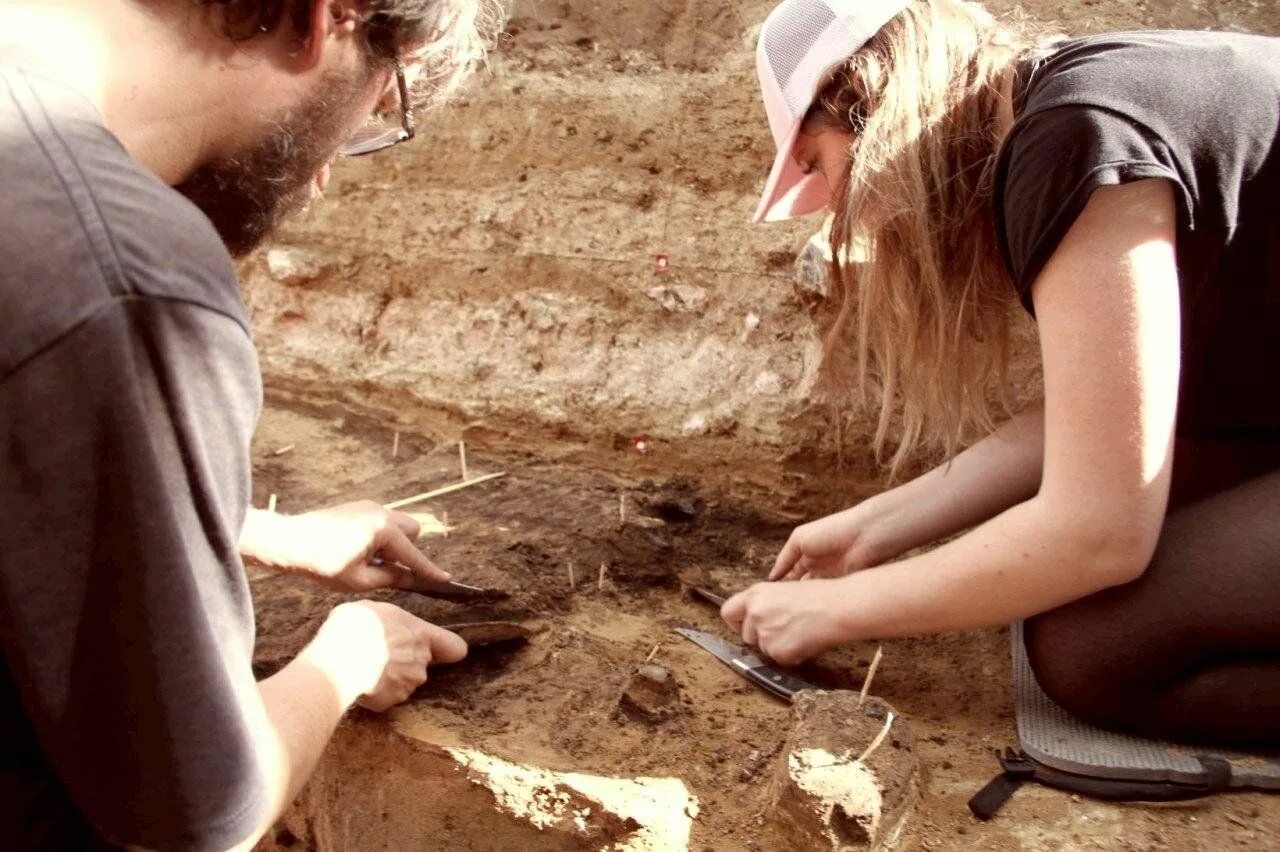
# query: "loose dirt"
553,703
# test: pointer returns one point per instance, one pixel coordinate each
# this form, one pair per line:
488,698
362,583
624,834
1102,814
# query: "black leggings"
1191,650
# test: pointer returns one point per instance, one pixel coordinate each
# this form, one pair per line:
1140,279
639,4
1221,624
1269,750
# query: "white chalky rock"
696,424
294,266
840,792
680,298
658,811
833,789
768,383
812,265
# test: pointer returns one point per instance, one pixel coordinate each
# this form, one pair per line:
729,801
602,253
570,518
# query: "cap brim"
789,192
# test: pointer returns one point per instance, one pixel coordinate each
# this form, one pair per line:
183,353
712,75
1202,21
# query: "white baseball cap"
801,42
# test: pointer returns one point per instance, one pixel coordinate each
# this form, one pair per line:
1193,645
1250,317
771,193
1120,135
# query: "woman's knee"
1078,668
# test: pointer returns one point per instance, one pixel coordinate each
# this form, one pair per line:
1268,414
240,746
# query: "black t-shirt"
129,390
1201,110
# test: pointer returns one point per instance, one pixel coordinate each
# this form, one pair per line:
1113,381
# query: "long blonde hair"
921,299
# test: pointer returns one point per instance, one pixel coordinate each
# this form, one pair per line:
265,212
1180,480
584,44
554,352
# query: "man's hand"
334,546
377,654
789,622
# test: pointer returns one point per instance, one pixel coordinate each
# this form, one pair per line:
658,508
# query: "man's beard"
247,194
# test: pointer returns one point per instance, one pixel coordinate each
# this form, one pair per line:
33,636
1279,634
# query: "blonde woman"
1125,189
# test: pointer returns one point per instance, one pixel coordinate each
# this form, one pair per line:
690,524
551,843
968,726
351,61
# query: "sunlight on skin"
1152,265
330,674
82,66
825,152
1108,317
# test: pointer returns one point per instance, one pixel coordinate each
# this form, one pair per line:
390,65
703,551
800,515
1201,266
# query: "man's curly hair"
246,19
446,38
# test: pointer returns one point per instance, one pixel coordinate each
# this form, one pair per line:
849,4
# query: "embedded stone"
842,781
295,266
652,693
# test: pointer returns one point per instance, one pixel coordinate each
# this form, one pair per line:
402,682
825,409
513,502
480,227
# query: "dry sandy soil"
497,281
554,704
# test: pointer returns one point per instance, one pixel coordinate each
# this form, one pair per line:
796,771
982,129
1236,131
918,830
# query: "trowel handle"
782,685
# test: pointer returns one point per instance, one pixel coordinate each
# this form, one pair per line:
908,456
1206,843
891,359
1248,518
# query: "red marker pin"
641,444
661,264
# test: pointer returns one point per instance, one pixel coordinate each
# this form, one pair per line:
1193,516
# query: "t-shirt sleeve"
1052,162
125,617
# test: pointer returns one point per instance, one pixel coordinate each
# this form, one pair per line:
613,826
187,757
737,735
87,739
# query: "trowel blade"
479,633
710,597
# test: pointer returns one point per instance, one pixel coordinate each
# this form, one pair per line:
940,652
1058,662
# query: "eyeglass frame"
361,144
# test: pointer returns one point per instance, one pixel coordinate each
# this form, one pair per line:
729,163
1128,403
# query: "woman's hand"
789,622
828,547
997,472
334,546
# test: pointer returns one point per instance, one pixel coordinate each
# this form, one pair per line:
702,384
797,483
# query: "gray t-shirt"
129,391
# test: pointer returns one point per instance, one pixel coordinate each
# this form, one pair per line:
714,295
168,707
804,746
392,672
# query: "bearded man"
142,144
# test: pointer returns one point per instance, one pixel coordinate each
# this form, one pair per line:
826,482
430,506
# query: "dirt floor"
554,704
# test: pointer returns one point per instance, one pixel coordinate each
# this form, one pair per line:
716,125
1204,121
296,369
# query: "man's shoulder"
83,225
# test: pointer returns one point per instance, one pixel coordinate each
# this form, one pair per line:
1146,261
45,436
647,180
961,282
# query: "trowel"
741,660
747,664
481,633
710,597
446,590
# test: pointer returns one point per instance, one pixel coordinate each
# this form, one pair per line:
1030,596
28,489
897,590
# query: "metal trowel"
446,590
482,633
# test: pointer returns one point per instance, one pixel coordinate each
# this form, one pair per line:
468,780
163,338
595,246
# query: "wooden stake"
283,450
444,521
395,445
440,492
462,457
622,509
604,566
839,440
871,673
875,744
653,653
271,503
573,584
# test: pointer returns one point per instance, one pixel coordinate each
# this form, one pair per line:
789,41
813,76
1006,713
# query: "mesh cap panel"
788,39
800,43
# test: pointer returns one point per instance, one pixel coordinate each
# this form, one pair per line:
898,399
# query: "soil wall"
502,268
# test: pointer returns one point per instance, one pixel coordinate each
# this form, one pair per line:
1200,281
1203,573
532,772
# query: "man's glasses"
373,139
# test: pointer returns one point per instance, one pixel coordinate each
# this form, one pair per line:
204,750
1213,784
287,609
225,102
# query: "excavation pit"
604,728
524,745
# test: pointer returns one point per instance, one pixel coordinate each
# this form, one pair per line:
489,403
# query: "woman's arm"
1108,310
989,477
997,472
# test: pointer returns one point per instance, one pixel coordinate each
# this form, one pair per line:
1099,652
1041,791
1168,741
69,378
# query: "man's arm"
333,546
125,616
369,652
